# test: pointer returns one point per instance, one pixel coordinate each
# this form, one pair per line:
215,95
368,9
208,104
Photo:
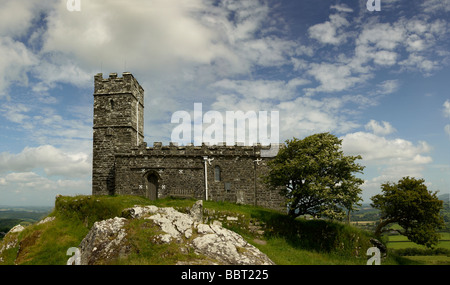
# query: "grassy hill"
285,241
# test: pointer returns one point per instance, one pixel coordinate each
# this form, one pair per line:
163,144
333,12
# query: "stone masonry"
124,165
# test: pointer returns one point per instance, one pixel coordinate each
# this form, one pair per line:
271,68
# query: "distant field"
399,241
10,217
431,259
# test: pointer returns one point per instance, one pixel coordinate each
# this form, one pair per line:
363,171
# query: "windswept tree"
316,177
413,207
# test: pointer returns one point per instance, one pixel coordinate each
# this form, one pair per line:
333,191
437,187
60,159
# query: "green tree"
413,207
316,177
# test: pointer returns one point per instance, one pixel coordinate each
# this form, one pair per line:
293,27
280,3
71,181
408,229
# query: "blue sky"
378,80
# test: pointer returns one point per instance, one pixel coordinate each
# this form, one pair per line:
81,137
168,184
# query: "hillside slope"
276,236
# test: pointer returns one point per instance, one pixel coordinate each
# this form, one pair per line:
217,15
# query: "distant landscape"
11,216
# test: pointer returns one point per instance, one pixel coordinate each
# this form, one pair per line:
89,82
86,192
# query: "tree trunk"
381,225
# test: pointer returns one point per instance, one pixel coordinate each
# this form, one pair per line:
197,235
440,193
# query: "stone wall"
181,173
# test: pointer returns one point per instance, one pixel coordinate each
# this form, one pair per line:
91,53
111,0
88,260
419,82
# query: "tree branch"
381,225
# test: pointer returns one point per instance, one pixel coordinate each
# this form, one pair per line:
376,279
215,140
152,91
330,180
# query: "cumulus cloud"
53,161
388,87
16,61
126,31
187,33
307,116
378,129
330,32
16,19
30,188
16,16
333,77
386,160
299,115
377,149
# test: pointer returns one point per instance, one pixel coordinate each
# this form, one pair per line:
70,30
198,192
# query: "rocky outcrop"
108,239
46,220
105,241
16,229
10,240
227,246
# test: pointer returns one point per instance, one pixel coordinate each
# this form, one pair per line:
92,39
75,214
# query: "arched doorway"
152,186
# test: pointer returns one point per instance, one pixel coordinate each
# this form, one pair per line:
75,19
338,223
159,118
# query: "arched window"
111,102
217,173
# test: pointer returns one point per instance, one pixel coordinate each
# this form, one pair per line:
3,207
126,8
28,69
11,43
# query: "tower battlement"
117,85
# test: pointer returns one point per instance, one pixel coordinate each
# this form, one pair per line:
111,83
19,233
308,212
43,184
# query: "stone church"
123,164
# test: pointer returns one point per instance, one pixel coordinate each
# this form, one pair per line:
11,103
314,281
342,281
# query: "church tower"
118,126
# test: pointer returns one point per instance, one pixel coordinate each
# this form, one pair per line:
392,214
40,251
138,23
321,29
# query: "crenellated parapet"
113,85
173,149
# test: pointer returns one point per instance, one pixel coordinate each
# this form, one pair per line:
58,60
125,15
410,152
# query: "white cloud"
447,129
260,89
127,31
379,150
53,161
333,77
16,16
383,36
330,32
378,129
305,116
44,125
436,6
162,36
16,61
407,42
386,160
30,188
447,109
342,8
419,62
446,112
388,87
299,116
16,113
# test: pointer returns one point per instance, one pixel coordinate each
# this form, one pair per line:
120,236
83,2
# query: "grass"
285,241
300,241
399,241
420,254
431,260
280,251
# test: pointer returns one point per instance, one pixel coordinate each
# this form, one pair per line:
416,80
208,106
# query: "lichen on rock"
107,239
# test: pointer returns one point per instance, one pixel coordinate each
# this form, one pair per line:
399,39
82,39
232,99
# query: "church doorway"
152,186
